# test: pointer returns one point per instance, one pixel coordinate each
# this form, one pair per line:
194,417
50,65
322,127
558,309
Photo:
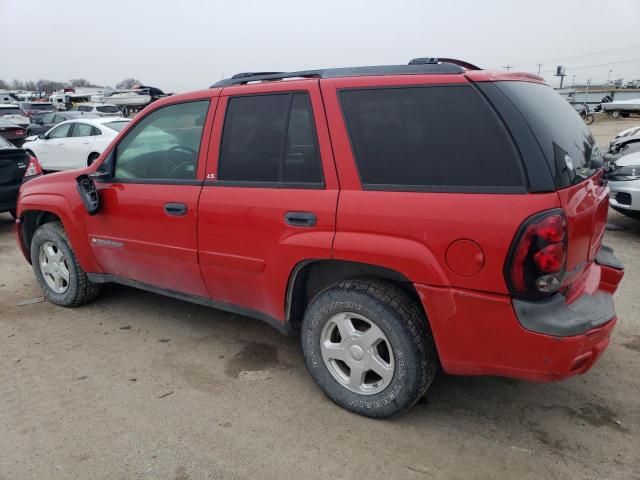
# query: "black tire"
13,213
92,158
406,329
635,214
589,119
615,114
80,290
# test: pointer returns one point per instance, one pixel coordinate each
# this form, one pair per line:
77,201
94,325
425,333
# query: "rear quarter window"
565,140
431,138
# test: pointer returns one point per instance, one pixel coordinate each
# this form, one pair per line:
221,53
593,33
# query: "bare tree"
80,82
128,83
17,85
4,85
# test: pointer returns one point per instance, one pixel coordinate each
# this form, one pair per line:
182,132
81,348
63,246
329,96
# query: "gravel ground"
137,386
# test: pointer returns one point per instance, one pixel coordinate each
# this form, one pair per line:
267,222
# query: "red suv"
399,218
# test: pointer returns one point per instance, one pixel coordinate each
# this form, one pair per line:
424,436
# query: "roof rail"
454,61
412,69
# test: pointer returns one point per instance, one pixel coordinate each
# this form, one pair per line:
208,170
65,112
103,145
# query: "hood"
627,160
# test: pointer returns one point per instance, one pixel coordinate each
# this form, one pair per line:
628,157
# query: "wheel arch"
37,209
310,277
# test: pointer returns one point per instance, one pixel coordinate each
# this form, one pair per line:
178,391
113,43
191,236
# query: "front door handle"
300,219
175,209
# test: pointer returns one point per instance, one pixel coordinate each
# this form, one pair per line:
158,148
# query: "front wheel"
369,348
616,114
589,119
57,270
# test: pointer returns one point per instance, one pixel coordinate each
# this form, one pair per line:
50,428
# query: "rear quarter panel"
411,232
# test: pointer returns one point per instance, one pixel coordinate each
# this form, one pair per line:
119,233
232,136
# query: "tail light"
538,255
33,168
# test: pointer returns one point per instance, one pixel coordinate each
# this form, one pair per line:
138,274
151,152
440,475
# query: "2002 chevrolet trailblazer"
399,218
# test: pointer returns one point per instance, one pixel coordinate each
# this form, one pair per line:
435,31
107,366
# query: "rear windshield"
566,141
11,111
430,138
37,106
108,109
117,126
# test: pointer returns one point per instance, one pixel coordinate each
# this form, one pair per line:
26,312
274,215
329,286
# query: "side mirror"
88,193
105,170
43,136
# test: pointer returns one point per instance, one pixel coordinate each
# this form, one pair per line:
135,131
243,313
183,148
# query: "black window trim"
485,189
278,184
159,181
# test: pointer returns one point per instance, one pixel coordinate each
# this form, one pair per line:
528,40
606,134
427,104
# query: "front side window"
61,131
438,138
270,138
164,145
48,118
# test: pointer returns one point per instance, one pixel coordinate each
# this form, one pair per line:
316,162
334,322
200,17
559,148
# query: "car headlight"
630,172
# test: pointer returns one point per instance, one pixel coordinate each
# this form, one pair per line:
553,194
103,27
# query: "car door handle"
175,209
300,219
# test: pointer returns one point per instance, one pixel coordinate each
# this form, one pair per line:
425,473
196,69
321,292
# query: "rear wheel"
615,114
368,346
589,119
59,274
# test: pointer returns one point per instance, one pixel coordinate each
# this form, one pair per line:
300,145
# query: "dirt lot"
137,386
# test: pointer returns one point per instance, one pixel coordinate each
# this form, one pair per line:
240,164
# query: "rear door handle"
175,209
300,219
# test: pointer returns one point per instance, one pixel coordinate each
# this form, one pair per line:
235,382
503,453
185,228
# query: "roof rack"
435,66
454,61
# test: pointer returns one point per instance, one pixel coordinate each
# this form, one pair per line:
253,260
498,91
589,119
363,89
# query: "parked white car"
624,183
74,143
14,114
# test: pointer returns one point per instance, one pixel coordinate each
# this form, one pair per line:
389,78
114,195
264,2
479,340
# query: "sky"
182,45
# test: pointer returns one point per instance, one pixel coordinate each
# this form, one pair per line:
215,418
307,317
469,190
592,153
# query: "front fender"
71,218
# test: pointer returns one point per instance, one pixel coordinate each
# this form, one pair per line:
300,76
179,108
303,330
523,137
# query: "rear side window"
81,130
270,139
433,138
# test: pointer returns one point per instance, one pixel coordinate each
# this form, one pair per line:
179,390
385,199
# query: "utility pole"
539,68
573,81
507,67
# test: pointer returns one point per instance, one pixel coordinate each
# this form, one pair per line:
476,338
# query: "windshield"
37,106
11,111
117,126
108,109
566,141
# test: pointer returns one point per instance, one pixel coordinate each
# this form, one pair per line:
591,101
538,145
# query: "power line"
587,55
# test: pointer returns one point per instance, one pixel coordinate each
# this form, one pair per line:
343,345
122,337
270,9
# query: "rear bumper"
484,334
